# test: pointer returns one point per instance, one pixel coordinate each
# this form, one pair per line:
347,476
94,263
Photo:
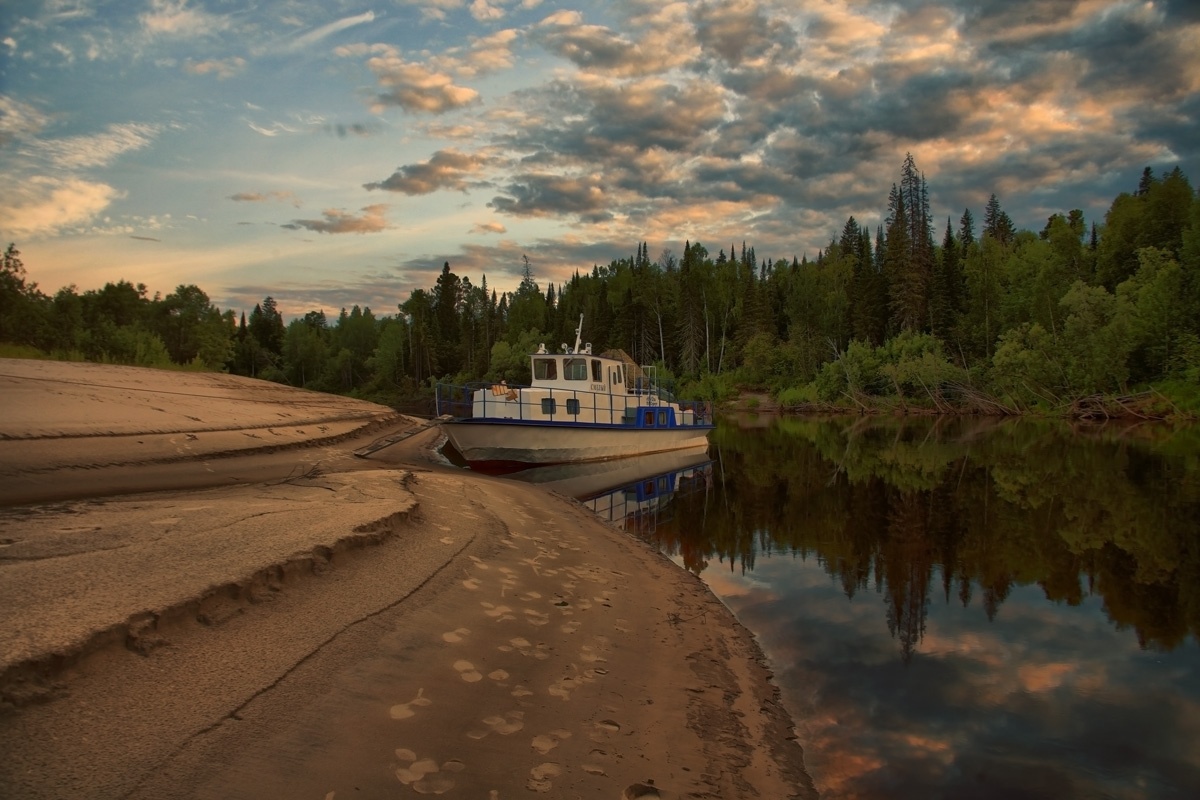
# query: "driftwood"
1143,405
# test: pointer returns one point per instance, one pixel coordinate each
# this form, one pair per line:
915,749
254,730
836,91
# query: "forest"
1078,318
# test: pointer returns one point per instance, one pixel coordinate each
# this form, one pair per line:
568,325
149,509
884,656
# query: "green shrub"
717,388
10,350
795,397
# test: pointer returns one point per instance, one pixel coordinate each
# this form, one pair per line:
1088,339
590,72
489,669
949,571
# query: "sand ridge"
369,627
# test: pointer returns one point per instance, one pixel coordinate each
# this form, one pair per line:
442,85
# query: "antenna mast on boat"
578,333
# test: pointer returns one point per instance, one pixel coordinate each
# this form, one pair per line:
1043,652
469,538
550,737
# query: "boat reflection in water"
634,493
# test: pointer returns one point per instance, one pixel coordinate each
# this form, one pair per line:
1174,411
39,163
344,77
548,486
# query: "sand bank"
284,619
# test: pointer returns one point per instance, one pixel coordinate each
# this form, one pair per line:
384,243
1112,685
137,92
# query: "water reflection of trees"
917,509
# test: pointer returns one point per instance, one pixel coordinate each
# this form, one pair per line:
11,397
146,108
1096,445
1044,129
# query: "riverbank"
284,618
1146,406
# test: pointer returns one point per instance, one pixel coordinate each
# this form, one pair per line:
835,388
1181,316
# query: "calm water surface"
957,608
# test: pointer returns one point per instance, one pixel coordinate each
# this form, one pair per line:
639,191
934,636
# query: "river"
967,608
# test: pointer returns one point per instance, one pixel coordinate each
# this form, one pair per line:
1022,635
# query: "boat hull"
498,445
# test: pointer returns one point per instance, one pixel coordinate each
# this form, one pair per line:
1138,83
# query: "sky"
332,153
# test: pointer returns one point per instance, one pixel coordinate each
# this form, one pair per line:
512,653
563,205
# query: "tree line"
983,316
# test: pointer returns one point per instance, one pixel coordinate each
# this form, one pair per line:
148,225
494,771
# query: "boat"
579,407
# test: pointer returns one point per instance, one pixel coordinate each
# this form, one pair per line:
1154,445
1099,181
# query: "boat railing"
541,404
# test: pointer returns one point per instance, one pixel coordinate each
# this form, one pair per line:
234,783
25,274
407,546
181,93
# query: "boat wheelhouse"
580,406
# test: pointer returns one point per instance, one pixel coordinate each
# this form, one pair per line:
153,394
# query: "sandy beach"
205,593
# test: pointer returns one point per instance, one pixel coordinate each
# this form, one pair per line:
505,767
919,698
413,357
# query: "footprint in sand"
539,777
526,648
593,768
424,775
588,653
530,596
570,627
546,742
472,583
467,671
564,686
510,723
455,636
602,731
536,617
498,613
406,710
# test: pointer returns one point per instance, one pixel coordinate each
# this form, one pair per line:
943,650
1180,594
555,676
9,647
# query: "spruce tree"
948,289
904,279
966,229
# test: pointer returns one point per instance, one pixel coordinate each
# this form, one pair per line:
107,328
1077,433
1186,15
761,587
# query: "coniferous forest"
961,314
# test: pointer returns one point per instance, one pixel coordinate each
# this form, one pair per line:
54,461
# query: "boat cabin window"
572,406
545,369
575,369
648,420
549,405
662,419
596,376
620,380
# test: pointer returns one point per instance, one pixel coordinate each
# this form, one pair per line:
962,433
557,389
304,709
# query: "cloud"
145,238
740,30
43,206
316,35
446,169
97,150
430,86
377,289
600,51
337,221
435,10
19,120
488,54
482,10
64,51
275,129
260,197
174,18
417,87
544,195
342,130
222,68
488,227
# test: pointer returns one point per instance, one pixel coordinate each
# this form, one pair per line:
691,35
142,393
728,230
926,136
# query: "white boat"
580,407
